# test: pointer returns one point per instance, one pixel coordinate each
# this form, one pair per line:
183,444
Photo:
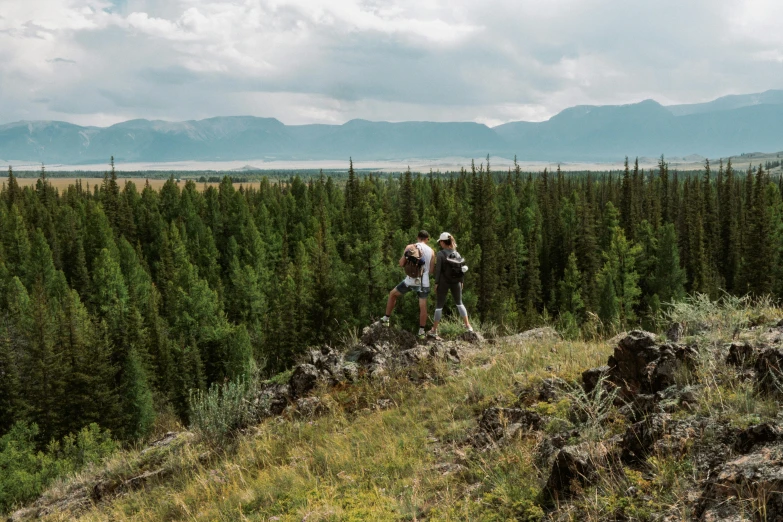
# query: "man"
420,285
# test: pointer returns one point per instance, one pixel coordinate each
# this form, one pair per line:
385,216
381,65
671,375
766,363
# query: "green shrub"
25,471
221,410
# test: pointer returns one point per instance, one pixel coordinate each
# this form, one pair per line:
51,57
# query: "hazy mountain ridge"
726,126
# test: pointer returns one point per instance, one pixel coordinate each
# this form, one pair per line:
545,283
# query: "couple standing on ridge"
448,268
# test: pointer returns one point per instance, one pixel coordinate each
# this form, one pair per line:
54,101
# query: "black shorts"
443,289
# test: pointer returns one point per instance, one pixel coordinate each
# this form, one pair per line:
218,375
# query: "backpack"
454,268
414,263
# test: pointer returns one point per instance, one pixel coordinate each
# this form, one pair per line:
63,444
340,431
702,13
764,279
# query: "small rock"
578,465
640,437
377,334
303,380
591,377
740,354
675,332
168,439
548,390
384,404
756,435
272,400
769,368
472,337
751,477
308,407
350,371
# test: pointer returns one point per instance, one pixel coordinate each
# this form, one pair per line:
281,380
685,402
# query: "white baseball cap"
444,237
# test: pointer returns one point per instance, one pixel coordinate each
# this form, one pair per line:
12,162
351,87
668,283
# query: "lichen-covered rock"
377,334
751,479
769,368
591,377
498,424
307,407
674,332
760,434
329,363
303,380
639,365
272,399
472,337
579,465
548,390
640,437
741,354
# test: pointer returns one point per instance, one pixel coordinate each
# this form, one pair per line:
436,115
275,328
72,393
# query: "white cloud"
98,61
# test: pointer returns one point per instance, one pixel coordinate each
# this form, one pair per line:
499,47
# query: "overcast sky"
98,62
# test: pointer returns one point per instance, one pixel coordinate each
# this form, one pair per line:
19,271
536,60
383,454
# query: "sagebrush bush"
221,410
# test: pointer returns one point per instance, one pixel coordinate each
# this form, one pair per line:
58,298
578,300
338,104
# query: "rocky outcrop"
757,476
472,337
591,377
639,365
769,368
758,435
578,466
741,354
497,424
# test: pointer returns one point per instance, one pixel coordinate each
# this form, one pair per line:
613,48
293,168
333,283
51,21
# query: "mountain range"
726,126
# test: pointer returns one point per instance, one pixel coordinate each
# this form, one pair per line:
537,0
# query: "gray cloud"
308,61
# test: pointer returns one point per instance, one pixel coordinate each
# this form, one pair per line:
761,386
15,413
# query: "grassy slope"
402,463
412,461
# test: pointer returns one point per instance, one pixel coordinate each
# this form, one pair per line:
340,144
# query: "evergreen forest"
117,301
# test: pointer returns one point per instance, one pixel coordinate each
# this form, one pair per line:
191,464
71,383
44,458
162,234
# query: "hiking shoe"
421,335
385,323
434,336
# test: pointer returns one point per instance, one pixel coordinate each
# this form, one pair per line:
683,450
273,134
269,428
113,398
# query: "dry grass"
362,463
412,461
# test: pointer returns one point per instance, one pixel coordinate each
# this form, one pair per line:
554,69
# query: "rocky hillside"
682,426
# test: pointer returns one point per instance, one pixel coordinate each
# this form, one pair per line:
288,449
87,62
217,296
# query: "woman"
447,280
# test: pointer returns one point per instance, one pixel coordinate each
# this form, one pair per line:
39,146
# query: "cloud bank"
98,62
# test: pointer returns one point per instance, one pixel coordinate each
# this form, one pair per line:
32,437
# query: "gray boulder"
303,380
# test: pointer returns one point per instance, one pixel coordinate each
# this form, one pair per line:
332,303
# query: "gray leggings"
456,293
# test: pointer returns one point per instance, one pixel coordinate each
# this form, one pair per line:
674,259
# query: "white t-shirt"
426,254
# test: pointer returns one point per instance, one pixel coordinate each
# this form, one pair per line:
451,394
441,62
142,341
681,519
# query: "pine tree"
759,256
620,269
13,194
571,289
711,231
626,202
608,304
407,205
669,277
